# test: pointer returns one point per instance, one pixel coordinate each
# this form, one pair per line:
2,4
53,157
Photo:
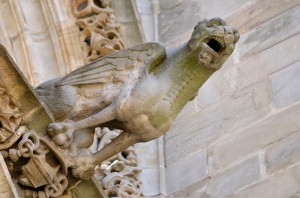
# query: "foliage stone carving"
99,29
10,116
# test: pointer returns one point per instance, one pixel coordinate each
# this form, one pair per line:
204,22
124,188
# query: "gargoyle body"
140,90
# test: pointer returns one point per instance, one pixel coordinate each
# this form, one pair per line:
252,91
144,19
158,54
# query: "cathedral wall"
240,136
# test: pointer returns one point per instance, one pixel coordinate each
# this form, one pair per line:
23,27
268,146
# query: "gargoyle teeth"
219,39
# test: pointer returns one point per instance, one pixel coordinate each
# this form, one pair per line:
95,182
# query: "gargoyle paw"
61,133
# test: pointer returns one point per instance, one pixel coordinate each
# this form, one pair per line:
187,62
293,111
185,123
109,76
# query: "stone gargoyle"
140,90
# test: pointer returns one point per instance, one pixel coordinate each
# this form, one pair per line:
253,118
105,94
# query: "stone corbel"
38,167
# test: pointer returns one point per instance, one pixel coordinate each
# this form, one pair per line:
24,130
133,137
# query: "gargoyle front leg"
62,132
86,161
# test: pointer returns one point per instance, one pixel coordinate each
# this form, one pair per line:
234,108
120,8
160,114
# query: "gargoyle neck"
186,76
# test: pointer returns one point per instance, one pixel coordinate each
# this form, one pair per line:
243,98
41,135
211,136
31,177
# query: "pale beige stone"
285,86
119,174
283,184
282,154
251,75
257,136
255,13
7,189
267,62
206,125
270,33
189,170
234,178
99,36
136,91
39,174
130,26
99,29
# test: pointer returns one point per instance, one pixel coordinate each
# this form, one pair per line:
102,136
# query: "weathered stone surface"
168,23
135,90
165,20
7,189
270,33
130,28
267,62
35,41
13,38
99,29
234,178
21,106
215,95
269,44
261,95
283,154
213,8
266,71
151,181
222,86
282,185
285,85
187,171
205,126
196,190
255,13
18,88
257,136
211,92
147,161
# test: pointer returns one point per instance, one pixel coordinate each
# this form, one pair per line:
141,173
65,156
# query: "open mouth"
211,49
216,44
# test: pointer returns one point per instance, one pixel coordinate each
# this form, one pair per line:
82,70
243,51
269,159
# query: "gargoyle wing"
123,66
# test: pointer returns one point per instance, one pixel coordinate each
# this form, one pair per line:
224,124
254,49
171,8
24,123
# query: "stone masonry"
240,137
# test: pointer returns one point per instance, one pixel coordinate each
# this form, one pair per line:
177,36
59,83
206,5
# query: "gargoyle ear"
201,24
217,21
236,35
193,42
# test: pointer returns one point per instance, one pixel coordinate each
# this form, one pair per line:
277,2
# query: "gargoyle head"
213,41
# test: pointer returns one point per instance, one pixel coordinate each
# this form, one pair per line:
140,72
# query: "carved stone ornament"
99,29
139,90
21,145
38,167
99,36
119,174
10,118
86,8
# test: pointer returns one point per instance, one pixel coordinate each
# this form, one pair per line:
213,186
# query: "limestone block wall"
240,136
